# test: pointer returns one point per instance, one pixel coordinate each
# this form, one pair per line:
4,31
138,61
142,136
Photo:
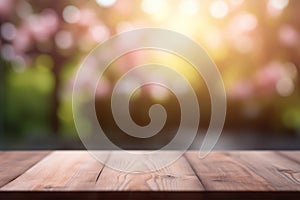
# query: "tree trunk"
55,124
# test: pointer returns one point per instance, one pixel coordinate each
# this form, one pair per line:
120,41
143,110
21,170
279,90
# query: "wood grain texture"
177,177
292,155
280,172
15,163
228,171
61,170
219,171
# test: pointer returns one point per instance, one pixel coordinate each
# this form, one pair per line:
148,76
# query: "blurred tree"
254,43
30,30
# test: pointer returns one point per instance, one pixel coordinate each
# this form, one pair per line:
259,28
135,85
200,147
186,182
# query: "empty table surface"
222,174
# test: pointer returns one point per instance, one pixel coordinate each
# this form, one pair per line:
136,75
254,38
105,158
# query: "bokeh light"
285,87
278,4
8,31
255,44
64,39
219,9
153,6
71,14
106,3
189,7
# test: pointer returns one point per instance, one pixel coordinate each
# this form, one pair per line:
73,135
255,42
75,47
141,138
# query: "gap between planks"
280,172
77,170
219,171
15,163
177,177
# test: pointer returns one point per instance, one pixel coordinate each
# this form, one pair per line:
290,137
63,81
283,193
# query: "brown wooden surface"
220,171
177,177
15,163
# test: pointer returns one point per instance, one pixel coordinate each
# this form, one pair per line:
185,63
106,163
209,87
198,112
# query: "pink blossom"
44,25
267,77
242,90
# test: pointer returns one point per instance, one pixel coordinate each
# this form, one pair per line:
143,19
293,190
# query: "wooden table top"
221,172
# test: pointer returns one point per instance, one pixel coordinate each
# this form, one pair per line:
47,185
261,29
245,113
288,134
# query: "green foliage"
27,100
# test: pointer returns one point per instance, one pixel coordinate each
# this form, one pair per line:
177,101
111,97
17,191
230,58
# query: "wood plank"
15,163
221,172
281,173
61,170
293,155
177,177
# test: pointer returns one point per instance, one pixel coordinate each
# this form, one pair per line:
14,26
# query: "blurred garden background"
254,43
